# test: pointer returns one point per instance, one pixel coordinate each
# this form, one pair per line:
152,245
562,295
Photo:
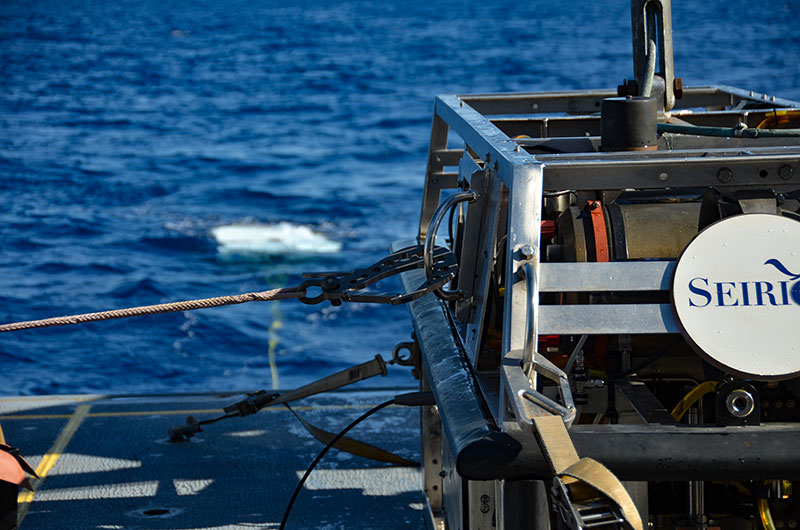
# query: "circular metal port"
740,403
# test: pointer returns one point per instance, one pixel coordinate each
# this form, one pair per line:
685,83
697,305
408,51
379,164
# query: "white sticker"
736,293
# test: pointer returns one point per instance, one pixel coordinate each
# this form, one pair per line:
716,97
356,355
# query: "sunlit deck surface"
115,468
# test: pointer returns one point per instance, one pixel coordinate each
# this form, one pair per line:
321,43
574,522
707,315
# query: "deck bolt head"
724,175
485,499
785,172
526,252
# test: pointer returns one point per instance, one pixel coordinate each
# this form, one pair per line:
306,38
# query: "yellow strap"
353,446
2,438
595,474
564,462
555,443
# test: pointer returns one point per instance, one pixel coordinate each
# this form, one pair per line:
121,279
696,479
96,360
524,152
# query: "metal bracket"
529,402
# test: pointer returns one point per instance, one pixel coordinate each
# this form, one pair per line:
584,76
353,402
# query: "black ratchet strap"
258,400
338,287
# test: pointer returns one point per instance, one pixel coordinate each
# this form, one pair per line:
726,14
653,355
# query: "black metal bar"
651,452
465,416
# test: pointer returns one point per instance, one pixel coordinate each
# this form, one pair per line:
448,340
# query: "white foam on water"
281,238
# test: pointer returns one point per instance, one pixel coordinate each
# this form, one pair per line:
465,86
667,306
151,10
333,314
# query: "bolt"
595,205
485,499
773,98
790,404
779,524
785,172
443,473
485,508
663,176
526,252
792,523
724,175
778,404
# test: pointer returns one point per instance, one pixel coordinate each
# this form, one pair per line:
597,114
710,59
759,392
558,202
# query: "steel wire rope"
186,305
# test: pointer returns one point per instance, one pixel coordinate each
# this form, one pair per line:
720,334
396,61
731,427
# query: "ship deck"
106,463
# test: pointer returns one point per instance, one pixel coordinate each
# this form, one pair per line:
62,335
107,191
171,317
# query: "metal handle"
534,364
430,238
531,323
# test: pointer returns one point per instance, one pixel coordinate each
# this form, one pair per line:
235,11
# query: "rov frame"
482,465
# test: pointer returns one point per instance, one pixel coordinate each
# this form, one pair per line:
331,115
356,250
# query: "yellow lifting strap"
353,446
560,453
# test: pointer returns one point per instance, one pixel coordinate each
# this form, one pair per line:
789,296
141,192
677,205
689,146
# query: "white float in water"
281,238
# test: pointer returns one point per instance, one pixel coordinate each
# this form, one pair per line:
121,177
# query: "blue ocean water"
129,130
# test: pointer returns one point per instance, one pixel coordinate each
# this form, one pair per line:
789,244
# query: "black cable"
544,147
322,453
647,362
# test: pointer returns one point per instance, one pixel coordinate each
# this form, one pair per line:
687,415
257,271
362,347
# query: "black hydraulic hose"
727,132
412,399
322,453
647,362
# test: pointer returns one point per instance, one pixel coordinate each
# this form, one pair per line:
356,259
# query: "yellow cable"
273,345
765,514
780,119
691,398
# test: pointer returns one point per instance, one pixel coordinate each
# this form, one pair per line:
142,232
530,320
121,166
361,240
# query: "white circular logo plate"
736,293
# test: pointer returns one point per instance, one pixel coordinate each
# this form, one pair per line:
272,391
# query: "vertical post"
433,188
524,236
652,20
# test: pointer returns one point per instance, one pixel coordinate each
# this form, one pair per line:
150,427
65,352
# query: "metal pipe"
727,132
436,220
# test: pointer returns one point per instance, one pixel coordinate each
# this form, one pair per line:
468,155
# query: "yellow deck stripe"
26,497
173,412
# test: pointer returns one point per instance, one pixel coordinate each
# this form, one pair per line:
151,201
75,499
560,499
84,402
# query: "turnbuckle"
338,287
